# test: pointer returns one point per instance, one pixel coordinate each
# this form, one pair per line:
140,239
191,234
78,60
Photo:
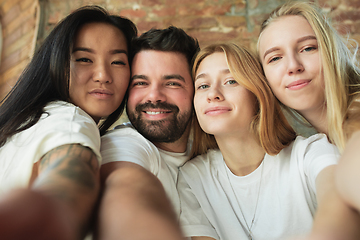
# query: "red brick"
54,18
165,12
144,26
152,3
353,3
207,36
183,2
10,15
343,28
232,21
331,4
10,39
193,22
357,27
352,15
211,10
29,25
130,13
10,61
6,5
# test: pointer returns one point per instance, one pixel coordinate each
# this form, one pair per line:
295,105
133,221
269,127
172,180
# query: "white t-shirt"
287,200
62,123
126,144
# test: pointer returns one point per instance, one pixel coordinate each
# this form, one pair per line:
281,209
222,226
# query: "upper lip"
217,108
297,82
102,91
156,110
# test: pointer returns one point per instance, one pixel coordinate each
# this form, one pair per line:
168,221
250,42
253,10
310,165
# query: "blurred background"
25,23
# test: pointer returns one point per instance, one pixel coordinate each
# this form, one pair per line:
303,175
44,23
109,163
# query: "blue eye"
308,49
203,86
274,59
232,81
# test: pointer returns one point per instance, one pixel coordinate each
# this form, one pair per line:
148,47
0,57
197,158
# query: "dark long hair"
46,78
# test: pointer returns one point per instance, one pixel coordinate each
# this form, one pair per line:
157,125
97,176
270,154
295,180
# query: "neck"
179,146
318,119
242,153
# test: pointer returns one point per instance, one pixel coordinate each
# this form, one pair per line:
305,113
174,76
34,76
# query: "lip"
298,84
217,110
101,93
157,114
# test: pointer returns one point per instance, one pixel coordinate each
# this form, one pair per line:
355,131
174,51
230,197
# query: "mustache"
163,105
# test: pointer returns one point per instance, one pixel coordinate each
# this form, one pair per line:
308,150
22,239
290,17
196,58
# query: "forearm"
334,219
134,206
348,172
28,214
70,176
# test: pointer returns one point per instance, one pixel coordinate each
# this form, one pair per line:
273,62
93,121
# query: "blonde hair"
339,65
269,124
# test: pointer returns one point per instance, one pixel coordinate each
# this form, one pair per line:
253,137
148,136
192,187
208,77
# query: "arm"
347,174
334,219
134,205
59,203
202,238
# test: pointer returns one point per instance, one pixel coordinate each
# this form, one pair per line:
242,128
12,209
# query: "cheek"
134,98
197,103
78,77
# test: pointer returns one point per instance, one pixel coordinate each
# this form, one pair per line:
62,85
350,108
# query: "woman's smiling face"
222,105
290,56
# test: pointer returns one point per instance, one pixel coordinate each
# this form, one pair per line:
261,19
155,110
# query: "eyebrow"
174,76
302,39
83,49
139,77
224,71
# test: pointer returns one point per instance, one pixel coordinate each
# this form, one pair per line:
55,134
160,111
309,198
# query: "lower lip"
299,86
217,112
101,95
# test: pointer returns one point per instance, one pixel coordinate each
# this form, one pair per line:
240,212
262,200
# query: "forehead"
286,29
212,63
99,34
156,64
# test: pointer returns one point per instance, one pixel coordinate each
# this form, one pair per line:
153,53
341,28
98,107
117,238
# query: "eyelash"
311,48
83,60
233,81
119,62
202,86
307,49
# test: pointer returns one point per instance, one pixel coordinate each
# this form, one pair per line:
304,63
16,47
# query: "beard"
168,130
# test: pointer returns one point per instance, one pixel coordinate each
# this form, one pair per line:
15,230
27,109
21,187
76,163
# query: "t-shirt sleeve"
192,218
126,144
318,155
66,124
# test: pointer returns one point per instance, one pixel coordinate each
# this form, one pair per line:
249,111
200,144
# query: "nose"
102,74
155,94
295,65
214,94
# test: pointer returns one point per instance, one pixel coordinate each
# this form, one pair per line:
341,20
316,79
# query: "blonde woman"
252,178
311,70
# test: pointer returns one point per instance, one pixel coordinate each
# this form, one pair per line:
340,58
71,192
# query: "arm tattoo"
73,163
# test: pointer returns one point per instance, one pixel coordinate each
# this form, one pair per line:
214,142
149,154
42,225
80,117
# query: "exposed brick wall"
207,20
210,20
19,20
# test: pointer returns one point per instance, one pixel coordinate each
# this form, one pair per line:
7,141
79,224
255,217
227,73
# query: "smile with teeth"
155,113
